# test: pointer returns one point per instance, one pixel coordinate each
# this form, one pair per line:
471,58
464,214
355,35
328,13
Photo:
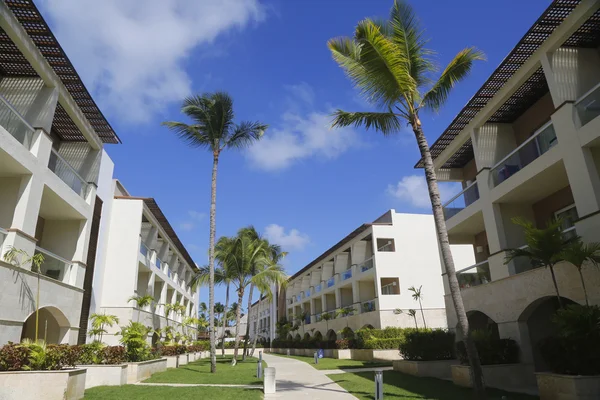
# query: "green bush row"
427,345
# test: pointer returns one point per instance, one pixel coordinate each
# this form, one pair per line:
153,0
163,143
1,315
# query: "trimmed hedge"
382,344
428,345
491,351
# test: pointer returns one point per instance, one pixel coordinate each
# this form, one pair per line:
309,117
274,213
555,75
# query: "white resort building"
527,145
368,273
142,256
54,179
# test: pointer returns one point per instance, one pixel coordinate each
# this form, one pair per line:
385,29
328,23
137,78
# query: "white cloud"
194,218
187,226
412,189
301,134
293,240
131,54
196,215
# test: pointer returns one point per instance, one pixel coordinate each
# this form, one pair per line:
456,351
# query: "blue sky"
305,186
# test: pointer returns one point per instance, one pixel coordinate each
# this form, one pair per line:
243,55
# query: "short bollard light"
316,357
259,369
378,385
288,352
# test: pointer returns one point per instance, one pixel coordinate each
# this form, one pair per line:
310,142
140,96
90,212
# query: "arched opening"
297,337
368,326
331,335
155,339
306,336
347,333
318,336
53,326
538,318
289,336
480,322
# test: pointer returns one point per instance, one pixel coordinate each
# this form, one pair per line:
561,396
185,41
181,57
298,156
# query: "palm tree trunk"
422,314
587,303
211,264
37,306
224,321
238,313
560,304
248,324
440,225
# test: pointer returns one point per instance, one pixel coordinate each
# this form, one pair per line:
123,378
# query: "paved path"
297,380
350,370
199,384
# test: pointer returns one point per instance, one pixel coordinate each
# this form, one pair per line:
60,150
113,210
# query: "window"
385,245
390,286
568,215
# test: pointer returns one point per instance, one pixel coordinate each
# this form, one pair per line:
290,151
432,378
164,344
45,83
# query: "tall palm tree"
219,311
141,302
213,128
389,62
545,247
578,253
233,312
417,296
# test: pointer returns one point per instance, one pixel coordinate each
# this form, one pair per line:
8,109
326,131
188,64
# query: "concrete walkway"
199,385
351,370
297,380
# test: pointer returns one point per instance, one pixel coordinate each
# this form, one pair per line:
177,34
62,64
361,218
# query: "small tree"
100,322
344,312
577,253
134,337
141,302
326,316
545,247
20,258
413,313
417,296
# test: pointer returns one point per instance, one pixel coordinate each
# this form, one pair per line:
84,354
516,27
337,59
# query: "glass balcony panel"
538,144
144,250
588,107
15,124
366,265
67,174
368,306
330,282
475,275
159,264
461,201
307,293
347,274
54,267
318,288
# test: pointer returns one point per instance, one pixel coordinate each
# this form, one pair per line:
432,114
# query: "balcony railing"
475,275
144,250
330,282
461,201
347,274
365,265
588,106
317,288
15,124
67,174
3,235
536,145
54,266
307,293
368,306
159,263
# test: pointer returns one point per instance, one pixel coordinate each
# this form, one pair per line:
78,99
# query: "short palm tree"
389,62
100,322
344,312
141,302
578,253
413,313
326,316
213,128
417,296
545,247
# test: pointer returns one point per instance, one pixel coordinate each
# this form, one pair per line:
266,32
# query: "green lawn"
163,392
332,363
399,386
244,373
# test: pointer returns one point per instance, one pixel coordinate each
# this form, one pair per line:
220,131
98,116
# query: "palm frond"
386,123
245,134
457,70
578,253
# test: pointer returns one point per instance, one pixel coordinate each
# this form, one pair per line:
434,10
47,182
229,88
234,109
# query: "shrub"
427,345
172,350
133,337
13,357
388,338
37,356
382,344
491,351
576,349
114,355
343,344
59,356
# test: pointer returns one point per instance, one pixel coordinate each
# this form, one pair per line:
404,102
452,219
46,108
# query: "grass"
332,363
400,386
244,373
164,392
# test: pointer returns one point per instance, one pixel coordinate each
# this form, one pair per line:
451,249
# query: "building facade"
527,145
143,256
368,273
263,317
53,171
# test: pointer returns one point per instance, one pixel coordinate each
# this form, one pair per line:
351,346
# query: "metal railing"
15,124
468,196
365,265
67,174
347,274
588,106
368,306
536,145
475,275
330,282
54,266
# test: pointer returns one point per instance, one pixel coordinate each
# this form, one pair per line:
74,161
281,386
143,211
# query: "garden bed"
105,375
138,371
440,369
67,384
567,387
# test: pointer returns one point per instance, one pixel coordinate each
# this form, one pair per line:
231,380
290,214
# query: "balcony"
368,306
54,266
365,265
15,124
307,293
159,264
330,282
475,275
461,201
536,145
67,174
347,274
317,288
588,107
